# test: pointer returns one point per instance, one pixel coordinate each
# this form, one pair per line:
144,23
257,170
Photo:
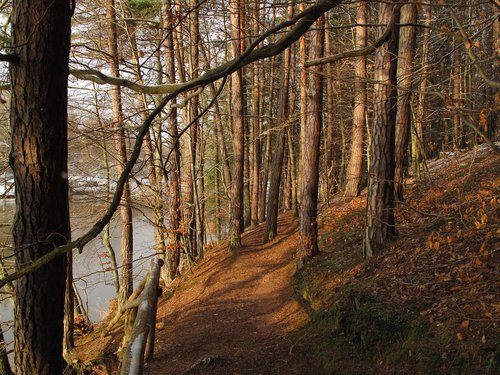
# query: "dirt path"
237,313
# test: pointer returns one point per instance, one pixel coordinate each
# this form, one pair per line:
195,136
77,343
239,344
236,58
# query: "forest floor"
428,305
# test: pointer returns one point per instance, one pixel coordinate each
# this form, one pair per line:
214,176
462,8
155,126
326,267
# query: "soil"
237,312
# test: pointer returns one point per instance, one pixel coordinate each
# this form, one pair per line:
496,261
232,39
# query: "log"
133,359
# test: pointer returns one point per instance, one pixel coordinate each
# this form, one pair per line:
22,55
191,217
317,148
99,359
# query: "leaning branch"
361,51
301,23
472,56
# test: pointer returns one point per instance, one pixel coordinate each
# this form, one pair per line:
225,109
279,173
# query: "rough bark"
406,57
38,158
308,229
380,202
236,210
354,172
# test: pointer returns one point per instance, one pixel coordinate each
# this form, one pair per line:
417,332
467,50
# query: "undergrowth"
425,306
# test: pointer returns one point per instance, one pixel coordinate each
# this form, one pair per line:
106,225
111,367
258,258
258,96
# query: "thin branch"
301,23
361,51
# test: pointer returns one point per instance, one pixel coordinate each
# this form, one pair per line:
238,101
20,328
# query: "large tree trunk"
354,173
380,202
308,243
406,57
236,210
126,284
38,159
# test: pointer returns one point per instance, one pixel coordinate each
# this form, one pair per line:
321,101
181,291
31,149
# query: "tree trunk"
277,162
406,57
255,131
303,100
354,172
38,158
194,62
172,255
308,242
380,202
236,210
417,144
126,284
267,155
329,126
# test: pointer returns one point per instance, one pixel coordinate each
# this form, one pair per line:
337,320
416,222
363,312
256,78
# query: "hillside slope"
428,305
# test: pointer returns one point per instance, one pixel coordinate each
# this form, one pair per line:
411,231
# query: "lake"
94,283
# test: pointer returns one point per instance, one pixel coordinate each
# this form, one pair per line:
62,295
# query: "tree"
39,163
406,57
354,172
126,283
236,217
308,243
380,222
277,162
172,255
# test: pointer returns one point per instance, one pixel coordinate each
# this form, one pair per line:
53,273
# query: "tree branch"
301,23
362,51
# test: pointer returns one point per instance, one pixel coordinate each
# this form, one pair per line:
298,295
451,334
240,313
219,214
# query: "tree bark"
354,172
308,229
38,158
406,57
126,283
267,155
417,143
277,162
236,223
174,236
303,100
380,202
256,124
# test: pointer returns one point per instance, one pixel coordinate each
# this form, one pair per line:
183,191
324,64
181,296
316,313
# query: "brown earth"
237,312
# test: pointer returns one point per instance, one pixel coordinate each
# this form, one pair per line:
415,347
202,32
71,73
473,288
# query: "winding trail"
237,313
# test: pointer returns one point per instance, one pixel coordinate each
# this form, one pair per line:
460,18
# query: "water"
94,282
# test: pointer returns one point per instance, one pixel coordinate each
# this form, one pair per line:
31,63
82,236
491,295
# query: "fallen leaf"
465,324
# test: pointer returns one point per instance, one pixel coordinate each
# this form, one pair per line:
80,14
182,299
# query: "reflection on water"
94,283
